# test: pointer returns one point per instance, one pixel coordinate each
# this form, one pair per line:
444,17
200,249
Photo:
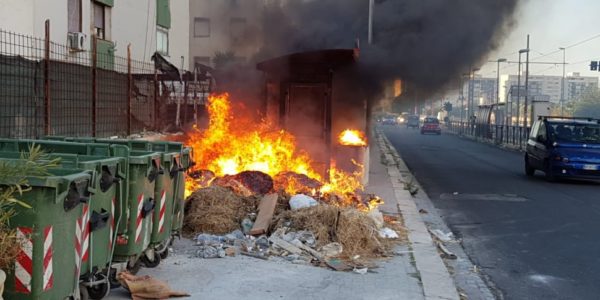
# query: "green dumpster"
109,196
186,163
165,189
98,216
51,146
51,235
133,236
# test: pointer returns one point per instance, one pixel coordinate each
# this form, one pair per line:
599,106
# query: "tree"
588,105
448,106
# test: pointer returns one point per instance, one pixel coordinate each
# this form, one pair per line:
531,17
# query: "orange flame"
232,144
351,137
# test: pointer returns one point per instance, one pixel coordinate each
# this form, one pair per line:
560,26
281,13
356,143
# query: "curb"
436,280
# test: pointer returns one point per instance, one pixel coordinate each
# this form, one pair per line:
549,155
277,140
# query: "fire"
351,137
232,144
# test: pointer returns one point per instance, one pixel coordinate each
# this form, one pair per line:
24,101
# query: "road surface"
532,238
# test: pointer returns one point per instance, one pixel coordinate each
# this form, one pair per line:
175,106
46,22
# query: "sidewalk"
417,272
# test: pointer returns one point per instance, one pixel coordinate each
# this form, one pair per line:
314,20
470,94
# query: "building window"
237,28
99,13
201,27
162,41
74,15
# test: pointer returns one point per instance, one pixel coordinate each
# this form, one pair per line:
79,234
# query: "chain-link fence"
52,89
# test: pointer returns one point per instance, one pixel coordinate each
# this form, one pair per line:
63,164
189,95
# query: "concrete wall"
17,15
130,22
179,34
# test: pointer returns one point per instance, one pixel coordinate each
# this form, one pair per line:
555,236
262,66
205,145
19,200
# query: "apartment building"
550,87
224,26
147,25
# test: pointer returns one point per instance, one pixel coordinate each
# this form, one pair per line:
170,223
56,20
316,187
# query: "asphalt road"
533,239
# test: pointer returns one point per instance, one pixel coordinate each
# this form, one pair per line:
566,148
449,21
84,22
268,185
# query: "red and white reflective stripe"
163,208
81,231
24,262
48,281
112,223
140,218
85,247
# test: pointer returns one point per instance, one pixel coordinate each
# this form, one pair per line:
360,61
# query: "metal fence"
49,89
498,134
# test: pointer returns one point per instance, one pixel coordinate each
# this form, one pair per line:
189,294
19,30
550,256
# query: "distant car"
413,122
564,147
403,118
389,120
431,125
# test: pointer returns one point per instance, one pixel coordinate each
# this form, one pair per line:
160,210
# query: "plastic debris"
302,201
262,243
377,217
388,233
247,225
146,287
443,236
361,271
209,240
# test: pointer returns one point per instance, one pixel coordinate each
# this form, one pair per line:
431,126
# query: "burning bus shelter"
310,94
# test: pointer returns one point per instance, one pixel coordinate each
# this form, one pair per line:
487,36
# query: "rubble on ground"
236,215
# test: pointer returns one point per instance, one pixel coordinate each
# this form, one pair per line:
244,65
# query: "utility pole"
519,92
562,86
462,99
526,121
371,7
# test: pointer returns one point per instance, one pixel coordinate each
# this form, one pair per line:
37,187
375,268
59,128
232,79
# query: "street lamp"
562,86
371,6
525,111
462,97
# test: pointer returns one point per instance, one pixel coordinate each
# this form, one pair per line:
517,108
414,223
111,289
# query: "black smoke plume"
427,43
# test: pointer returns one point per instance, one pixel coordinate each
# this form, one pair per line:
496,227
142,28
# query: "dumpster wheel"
98,291
149,262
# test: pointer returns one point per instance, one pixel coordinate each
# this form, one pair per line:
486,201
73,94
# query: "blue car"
564,148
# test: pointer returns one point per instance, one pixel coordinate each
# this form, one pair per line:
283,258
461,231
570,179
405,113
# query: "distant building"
550,87
481,90
149,26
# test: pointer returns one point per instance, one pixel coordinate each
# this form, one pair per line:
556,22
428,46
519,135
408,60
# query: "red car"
431,125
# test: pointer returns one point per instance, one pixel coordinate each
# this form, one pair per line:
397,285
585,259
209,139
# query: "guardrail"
498,134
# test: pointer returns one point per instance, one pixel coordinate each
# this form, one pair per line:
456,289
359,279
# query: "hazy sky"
552,24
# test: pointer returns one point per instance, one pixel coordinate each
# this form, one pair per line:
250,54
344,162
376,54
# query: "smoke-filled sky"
427,42
552,24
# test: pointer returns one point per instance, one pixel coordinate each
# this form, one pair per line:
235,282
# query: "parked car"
564,147
412,121
431,125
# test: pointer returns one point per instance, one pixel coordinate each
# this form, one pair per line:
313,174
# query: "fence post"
129,89
94,83
156,94
47,79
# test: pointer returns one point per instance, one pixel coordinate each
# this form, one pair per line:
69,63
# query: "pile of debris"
236,216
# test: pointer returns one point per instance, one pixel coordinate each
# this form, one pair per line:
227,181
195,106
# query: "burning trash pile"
253,193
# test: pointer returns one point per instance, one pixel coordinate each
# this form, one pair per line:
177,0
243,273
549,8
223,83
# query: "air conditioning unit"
77,41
